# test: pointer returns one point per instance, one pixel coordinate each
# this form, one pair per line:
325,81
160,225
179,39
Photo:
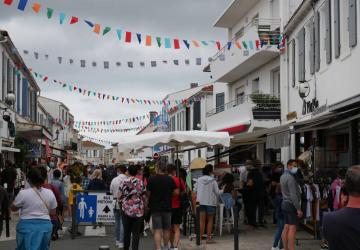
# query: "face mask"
51,165
294,170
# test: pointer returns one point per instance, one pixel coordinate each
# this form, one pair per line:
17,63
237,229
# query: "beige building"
92,152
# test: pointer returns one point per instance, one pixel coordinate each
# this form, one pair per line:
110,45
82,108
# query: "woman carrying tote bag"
33,231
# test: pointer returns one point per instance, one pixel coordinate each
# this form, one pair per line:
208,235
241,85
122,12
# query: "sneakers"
119,244
275,248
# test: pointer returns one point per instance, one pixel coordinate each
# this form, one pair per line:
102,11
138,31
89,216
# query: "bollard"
236,228
104,248
197,224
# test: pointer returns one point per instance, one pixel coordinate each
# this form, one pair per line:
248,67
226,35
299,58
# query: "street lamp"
10,98
304,88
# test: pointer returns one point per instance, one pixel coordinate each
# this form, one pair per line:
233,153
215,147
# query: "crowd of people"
162,195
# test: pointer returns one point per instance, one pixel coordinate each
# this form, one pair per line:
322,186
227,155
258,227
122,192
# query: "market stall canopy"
176,138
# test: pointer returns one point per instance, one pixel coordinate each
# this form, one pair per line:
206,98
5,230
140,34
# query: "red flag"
74,20
8,2
176,44
218,45
128,37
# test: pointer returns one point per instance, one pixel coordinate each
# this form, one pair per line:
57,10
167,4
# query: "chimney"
194,85
153,114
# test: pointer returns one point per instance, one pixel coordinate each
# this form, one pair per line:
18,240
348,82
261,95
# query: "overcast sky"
185,19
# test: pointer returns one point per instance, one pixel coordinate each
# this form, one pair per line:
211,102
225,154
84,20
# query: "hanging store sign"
310,106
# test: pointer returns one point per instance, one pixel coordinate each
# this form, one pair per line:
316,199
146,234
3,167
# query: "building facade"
92,153
319,86
18,100
249,98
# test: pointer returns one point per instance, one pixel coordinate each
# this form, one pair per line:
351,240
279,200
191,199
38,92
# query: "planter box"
267,113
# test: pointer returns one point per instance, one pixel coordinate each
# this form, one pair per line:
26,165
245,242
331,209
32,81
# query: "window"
8,77
62,114
240,95
220,101
197,115
344,29
3,73
337,43
317,41
310,29
275,83
255,85
301,55
292,62
325,34
352,23
187,115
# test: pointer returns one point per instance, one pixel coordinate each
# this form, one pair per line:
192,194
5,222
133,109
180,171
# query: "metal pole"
7,222
177,162
236,228
73,217
197,224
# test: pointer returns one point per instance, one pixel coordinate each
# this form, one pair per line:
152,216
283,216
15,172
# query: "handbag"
184,198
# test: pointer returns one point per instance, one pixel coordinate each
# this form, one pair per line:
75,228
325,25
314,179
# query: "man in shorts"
291,207
161,188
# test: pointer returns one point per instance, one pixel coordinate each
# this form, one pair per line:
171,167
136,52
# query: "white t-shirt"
114,187
32,207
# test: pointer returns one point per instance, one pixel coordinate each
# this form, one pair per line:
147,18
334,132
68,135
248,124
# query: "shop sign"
310,106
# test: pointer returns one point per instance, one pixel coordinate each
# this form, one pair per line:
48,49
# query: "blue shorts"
208,209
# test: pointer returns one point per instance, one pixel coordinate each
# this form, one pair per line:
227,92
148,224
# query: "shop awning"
327,121
257,136
8,149
31,131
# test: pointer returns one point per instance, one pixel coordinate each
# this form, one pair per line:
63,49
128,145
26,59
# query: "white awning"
8,149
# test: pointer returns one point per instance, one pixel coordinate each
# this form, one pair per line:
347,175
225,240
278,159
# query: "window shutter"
352,23
337,43
197,115
312,47
317,41
293,65
328,31
301,55
25,97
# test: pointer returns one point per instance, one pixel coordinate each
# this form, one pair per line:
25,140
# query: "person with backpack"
176,208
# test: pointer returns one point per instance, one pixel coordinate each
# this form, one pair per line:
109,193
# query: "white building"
18,102
64,135
321,61
92,152
248,100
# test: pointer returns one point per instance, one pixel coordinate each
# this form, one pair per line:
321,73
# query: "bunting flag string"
112,122
97,140
198,61
130,36
113,130
102,96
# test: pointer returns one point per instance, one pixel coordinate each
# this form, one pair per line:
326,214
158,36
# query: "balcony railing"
264,106
268,30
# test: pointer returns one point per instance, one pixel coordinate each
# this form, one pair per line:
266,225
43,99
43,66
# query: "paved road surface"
83,242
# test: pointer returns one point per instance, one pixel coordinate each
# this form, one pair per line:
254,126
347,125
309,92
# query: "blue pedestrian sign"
94,207
86,206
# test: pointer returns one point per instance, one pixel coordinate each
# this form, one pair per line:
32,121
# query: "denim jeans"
280,227
119,227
